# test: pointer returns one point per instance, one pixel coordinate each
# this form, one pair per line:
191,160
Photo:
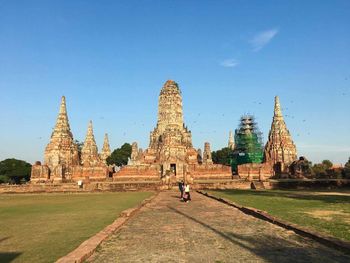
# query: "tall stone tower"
89,152
170,154
106,150
171,141
280,149
231,143
61,149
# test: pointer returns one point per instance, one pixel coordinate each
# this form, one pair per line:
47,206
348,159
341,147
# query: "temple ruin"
170,155
62,160
170,152
106,149
279,153
280,150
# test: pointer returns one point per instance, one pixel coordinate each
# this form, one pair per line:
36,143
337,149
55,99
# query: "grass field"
44,227
326,212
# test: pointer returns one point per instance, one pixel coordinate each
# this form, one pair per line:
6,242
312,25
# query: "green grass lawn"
44,227
325,212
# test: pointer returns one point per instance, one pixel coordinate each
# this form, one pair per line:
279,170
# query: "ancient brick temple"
62,162
106,150
170,151
279,153
89,152
280,150
61,149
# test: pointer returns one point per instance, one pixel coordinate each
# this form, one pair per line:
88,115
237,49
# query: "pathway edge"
336,243
88,247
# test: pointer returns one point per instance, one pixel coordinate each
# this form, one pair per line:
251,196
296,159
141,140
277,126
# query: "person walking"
181,188
187,193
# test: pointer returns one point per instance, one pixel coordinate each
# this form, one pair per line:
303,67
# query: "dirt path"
204,230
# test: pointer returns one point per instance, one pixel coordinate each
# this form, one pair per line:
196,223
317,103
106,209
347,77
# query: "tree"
323,170
120,156
222,156
327,164
80,147
318,170
13,171
346,170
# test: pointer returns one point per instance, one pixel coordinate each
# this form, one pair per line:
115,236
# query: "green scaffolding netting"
248,143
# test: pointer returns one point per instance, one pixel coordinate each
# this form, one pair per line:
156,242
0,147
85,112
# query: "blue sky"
111,58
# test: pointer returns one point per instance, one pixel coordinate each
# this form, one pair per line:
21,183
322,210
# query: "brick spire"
280,149
106,150
62,123
231,143
170,107
277,109
89,152
61,148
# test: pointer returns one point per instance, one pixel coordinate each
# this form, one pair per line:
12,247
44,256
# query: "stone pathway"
205,230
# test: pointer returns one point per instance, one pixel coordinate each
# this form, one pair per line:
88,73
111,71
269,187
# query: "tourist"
187,196
181,188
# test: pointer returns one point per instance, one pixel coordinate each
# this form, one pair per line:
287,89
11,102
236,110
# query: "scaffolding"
248,143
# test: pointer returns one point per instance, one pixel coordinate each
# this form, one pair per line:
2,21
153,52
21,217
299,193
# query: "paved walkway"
205,230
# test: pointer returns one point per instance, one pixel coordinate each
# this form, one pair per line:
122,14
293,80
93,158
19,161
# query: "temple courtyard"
45,227
205,230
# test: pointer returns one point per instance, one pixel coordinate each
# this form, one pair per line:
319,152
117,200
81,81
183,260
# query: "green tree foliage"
14,171
327,164
80,146
222,156
323,170
319,170
346,170
120,156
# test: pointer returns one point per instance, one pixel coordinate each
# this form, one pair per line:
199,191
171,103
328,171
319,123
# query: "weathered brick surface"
205,230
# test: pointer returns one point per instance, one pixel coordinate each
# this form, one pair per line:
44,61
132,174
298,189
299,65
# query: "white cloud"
263,38
229,63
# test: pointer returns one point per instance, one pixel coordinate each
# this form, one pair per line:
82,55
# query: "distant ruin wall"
255,171
61,174
138,170
209,171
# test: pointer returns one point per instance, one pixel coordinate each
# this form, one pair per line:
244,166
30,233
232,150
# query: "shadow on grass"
327,198
8,257
273,248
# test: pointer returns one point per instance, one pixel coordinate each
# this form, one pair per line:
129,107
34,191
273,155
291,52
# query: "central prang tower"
171,141
170,154
170,107
170,129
